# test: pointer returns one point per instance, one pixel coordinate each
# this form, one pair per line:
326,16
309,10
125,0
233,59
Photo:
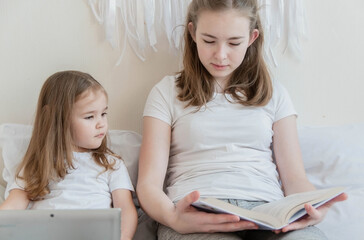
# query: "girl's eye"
209,42
235,44
89,117
104,114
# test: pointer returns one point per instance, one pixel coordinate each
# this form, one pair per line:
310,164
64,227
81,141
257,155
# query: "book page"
287,207
214,205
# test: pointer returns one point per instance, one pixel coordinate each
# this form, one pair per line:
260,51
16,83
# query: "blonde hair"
249,85
49,154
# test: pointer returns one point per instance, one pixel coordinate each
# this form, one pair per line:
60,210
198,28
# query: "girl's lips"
100,135
219,67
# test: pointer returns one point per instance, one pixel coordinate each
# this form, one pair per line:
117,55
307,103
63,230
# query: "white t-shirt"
224,149
84,187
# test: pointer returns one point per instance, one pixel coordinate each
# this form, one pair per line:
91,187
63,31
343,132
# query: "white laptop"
94,224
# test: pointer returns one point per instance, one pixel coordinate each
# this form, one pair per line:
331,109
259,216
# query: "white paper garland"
283,21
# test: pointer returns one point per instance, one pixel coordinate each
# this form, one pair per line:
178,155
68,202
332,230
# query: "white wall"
327,85
40,37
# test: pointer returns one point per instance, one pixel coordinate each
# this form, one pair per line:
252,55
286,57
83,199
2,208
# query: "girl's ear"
192,31
253,36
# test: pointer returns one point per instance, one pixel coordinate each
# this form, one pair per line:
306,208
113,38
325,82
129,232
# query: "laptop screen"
70,224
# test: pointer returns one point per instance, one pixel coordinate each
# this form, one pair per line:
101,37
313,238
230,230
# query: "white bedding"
333,156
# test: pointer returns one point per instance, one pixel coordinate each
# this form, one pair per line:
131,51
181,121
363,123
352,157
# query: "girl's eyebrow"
107,107
232,38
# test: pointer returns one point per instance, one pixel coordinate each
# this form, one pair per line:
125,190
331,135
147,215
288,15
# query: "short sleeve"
17,183
282,102
158,104
119,178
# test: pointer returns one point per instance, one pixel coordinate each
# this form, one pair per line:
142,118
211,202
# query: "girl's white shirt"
224,149
84,187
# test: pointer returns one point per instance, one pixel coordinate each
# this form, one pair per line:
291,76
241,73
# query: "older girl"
209,131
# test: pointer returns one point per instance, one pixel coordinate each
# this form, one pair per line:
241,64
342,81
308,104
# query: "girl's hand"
314,216
188,219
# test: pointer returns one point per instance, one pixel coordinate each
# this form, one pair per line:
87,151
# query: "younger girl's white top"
224,149
84,187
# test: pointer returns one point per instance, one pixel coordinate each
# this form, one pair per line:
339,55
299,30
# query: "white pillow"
334,156
14,140
127,144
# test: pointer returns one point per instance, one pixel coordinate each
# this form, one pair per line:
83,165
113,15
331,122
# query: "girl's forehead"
90,98
220,22
232,14
91,92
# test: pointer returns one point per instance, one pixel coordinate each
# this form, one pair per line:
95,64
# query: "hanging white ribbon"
110,23
133,19
271,13
283,20
167,19
149,12
296,30
98,10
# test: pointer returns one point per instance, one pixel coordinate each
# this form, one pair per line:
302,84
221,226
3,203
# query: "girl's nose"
102,122
220,52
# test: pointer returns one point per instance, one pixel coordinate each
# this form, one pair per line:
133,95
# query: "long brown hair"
49,154
250,84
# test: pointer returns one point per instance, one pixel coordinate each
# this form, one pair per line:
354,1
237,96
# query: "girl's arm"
292,172
122,198
17,199
182,217
288,157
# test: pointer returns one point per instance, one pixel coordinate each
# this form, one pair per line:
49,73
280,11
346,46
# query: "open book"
272,215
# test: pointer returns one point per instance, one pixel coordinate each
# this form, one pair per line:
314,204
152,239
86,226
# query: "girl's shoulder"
165,89
167,82
276,84
113,158
279,90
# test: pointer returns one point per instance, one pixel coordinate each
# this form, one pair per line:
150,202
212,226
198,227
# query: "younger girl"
68,163
209,131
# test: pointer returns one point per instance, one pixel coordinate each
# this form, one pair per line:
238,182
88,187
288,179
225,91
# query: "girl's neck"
220,85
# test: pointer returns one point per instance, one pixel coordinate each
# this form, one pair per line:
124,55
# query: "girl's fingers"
341,197
230,227
314,216
312,212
